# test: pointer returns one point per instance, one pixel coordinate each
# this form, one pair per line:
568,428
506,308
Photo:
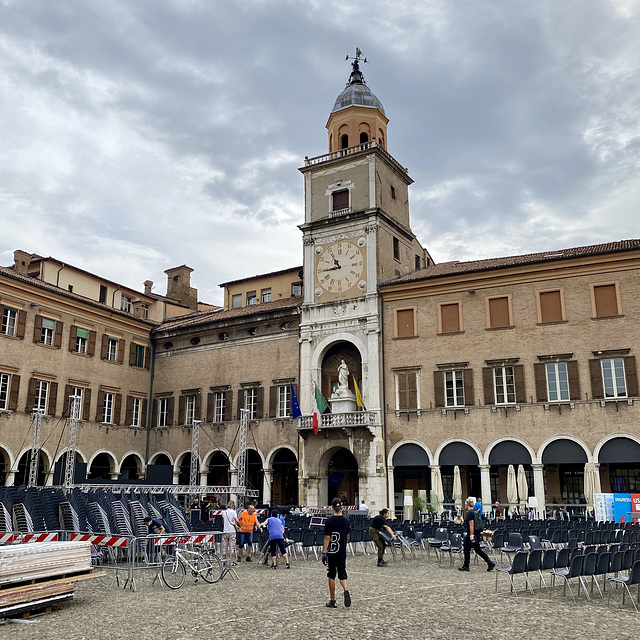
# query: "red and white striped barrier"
185,539
8,538
348,507
219,512
100,540
18,538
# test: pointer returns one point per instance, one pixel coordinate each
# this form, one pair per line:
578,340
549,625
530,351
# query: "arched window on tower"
344,141
364,137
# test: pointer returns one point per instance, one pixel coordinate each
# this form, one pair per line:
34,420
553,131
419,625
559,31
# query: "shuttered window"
550,306
450,317
605,300
405,323
340,200
407,390
498,312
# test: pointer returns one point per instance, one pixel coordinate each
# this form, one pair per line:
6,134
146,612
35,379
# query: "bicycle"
206,565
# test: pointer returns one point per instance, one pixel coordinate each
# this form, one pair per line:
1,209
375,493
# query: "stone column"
203,478
11,478
266,485
538,489
485,487
114,476
598,487
391,483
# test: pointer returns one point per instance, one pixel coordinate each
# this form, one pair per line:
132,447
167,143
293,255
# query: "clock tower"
356,234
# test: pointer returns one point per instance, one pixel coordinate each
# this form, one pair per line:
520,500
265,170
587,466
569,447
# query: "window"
252,298
79,392
189,409
5,379
393,192
417,262
251,402
344,141
103,294
405,323
42,391
266,295
9,321
340,200
163,412
504,385
82,337
48,330
70,287
136,407
219,406
364,137
498,312
557,381
296,289
396,249
139,356
284,401
107,408
145,310
625,478
449,317
613,378
605,300
550,306
454,388
236,301
406,390
112,349
125,304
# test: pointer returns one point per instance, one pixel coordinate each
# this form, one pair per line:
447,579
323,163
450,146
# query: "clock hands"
330,268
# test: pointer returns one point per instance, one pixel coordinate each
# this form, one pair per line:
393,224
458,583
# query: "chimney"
179,286
148,285
21,261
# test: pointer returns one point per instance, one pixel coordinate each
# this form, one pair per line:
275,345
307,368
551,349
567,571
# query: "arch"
271,455
218,468
6,463
557,438
206,459
109,453
411,444
262,460
79,454
364,137
44,467
284,476
443,445
157,454
103,464
182,467
344,141
125,464
503,453
341,474
608,438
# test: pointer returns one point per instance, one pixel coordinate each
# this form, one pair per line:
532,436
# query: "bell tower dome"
357,116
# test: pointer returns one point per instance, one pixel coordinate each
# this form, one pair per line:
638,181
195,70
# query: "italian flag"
319,407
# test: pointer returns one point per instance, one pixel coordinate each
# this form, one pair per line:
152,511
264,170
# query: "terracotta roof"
455,267
206,317
40,284
260,275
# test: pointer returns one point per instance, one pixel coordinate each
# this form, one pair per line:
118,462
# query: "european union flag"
295,407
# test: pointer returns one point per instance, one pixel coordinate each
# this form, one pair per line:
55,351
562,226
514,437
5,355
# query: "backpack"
478,525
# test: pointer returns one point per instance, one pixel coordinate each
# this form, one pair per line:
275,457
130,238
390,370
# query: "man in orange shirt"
248,521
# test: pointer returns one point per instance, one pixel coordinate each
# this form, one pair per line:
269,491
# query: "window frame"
265,294
614,378
340,191
47,333
41,399
252,298
457,391
594,311
5,390
296,289
190,405
556,366
395,323
140,350
488,312
125,303
112,349
6,321
82,342
251,394
396,248
406,372
283,395
236,297
503,368
108,404
136,411
219,406
460,328
163,411
563,310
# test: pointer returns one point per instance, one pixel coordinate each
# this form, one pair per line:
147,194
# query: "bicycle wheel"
209,566
173,572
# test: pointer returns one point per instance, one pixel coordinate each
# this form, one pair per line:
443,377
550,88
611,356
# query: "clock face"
339,267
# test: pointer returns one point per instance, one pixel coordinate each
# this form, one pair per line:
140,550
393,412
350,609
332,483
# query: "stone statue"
343,376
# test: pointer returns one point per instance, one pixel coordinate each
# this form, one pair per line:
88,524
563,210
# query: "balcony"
341,420
341,153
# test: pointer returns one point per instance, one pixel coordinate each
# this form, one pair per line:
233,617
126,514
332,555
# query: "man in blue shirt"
276,539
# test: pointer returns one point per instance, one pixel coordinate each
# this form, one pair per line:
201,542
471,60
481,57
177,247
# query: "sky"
138,135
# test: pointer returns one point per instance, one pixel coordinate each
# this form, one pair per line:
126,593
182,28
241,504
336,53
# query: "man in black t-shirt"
378,524
472,540
334,552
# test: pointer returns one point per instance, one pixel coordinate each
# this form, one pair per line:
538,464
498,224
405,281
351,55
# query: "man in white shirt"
229,521
363,506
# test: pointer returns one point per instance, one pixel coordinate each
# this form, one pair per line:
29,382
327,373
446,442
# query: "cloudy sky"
137,135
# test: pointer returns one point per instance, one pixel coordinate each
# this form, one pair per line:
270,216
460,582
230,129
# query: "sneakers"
288,566
331,604
234,564
274,566
491,566
249,560
463,568
381,563
347,599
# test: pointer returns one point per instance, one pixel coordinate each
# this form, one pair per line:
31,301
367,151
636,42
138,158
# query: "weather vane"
356,76
357,57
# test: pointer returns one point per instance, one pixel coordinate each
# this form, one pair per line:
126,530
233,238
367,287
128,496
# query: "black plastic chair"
440,536
567,574
534,563
562,559
518,566
602,569
514,544
535,543
453,545
626,582
589,568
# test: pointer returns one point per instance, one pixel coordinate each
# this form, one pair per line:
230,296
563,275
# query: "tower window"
393,193
364,137
340,200
344,141
396,248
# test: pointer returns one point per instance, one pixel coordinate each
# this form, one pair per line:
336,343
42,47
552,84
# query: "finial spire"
356,76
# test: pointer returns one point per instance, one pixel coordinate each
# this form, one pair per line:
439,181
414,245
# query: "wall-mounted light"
471,291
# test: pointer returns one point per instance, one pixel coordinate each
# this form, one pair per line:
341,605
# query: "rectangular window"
393,193
48,329
550,306
136,407
454,388
407,390
107,408
163,412
112,349
557,381
103,294
125,304
450,317
504,385
219,406
296,289
5,379
613,378
139,356
396,249
189,409
236,301
251,402
417,262
284,401
498,312
605,300
78,392
42,392
9,321
82,336
405,323
252,298
340,200
266,295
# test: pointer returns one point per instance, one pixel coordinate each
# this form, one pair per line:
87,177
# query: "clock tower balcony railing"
341,420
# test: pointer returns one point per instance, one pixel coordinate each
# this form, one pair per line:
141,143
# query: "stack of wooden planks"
34,576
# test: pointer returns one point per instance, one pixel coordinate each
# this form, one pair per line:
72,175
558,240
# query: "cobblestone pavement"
410,599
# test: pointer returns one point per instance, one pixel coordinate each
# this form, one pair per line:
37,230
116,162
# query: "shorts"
244,538
279,543
337,565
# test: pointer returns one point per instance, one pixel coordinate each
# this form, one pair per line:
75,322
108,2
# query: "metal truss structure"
73,424
175,489
35,448
195,452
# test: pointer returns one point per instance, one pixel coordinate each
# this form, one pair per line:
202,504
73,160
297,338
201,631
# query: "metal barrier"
16,537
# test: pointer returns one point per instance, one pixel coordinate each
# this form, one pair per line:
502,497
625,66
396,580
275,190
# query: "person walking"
248,522
377,525
276,540
472,539
229,523
334,552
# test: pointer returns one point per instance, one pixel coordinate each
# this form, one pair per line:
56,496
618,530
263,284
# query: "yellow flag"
359,400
